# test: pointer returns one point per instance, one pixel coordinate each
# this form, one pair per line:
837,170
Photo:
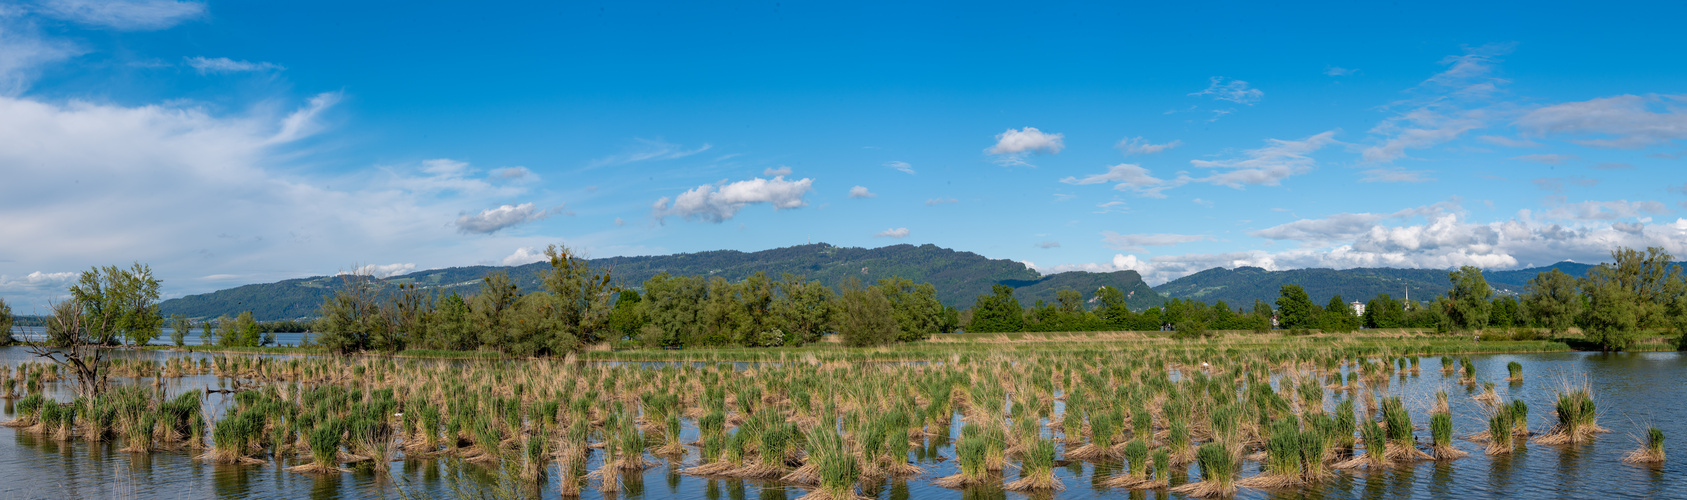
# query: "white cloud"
520,174
1139,146
1556,184
1012,145
1111,207
23,51
1266,166
226,65
1048,244
776,172
721,201
494,219
1127,177
860,192
1605,210
1138,242
35,283
1443,107
897,233
525,255
383,271
1443,241
124,14
1339,71
647,150
940,201
900,166
258,211
1236,91
1624,121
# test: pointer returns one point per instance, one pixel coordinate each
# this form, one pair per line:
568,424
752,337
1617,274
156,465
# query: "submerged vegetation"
833,422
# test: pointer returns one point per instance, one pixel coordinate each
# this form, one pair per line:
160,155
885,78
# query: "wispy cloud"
1127,177
1395,174
1550,159
1266,166
1443,107
124,14
1139,242
1339,71
1139,146
1048,244
1236,91
647,150
900,166
1624,121
776,172
225,65
940,201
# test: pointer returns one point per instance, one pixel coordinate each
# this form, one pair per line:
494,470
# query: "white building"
1358,308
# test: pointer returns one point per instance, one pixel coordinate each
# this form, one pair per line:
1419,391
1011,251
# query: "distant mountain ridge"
958,276
1242,285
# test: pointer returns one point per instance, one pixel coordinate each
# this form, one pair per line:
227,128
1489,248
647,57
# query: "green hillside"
1241,286
958,276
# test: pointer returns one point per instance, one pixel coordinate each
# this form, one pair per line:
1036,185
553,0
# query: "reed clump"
1651,451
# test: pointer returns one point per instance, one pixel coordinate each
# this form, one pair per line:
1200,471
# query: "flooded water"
1633,391
194,338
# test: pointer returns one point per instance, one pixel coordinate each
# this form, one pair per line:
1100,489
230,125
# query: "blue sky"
227,143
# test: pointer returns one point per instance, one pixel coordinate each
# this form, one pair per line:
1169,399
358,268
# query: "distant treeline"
1638,291
1616,301
578,306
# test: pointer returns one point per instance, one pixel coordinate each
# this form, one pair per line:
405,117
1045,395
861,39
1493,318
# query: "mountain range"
959,277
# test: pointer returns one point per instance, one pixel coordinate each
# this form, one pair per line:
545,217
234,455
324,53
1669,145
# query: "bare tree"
72,344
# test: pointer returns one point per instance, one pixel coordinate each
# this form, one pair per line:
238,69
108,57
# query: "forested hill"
1242,285
959,277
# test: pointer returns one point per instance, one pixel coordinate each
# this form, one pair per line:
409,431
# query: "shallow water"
1632,392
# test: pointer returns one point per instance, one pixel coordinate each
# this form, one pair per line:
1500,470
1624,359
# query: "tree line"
578,306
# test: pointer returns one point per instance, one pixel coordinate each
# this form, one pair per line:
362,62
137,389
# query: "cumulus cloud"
1139,146
1443,107
898,233
525,255
860,192
1266,166
1624,121
225,65
124,14
721,201
1127,177
1443,241
900,166
940,201
492,220
776,172
1236,91
1139,242
1013,145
